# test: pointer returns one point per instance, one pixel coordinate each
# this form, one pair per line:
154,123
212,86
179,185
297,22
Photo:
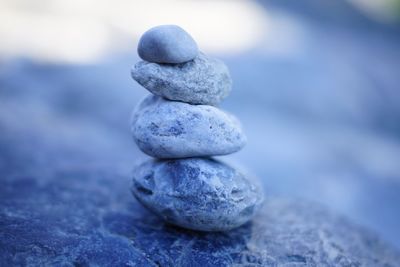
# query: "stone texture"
85,216
203,80
167,44
171,129
197,193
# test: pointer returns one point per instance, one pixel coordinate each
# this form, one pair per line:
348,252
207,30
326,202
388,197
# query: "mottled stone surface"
82,217
197,193
167,44
172,129
203,80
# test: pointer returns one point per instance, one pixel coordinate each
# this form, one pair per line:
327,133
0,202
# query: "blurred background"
316,86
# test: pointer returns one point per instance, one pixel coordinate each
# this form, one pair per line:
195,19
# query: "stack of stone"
180,125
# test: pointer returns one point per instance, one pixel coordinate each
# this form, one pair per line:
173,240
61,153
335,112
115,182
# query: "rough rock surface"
79,217
197,193
172,129
167,44
203,80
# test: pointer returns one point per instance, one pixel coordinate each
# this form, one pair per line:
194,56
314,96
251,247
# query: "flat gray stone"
167,44
197,193
203,80
171,129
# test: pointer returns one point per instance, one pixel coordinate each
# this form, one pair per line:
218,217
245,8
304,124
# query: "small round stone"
172,129
167,44
203,80
197,193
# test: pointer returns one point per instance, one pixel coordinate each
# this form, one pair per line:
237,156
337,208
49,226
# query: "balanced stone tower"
181,127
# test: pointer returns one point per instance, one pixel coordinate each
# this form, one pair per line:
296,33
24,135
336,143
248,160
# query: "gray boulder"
167,44
203,80
196,193
171,129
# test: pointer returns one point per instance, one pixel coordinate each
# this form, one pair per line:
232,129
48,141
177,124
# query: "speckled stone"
203,80
196,193
171,129
94,221
167,44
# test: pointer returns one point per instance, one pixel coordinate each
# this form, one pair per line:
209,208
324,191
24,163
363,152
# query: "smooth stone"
196,193
203,80
171,129
167,44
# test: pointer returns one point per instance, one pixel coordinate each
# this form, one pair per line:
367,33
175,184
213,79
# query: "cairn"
180,126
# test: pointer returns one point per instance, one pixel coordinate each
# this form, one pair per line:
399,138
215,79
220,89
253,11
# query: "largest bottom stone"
196,193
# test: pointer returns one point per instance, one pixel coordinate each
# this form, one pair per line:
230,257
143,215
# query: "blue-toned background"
316,86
